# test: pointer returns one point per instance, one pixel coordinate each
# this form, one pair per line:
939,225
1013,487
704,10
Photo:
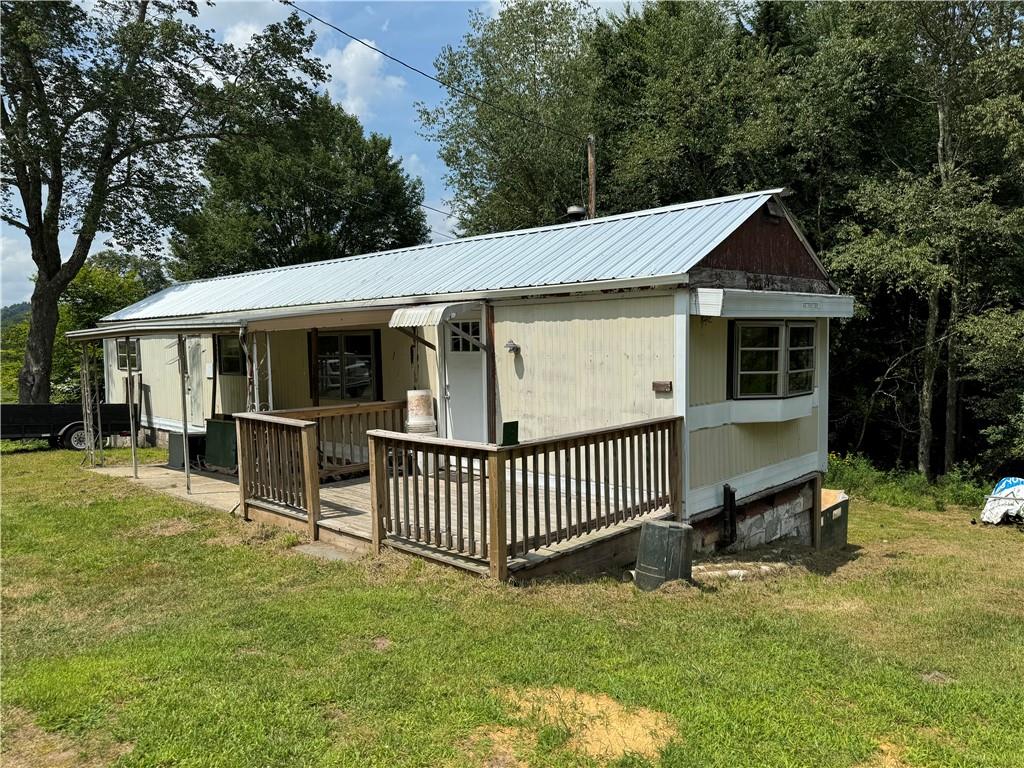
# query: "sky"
381,93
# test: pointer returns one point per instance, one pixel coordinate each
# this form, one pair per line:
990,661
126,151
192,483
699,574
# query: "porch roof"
652,247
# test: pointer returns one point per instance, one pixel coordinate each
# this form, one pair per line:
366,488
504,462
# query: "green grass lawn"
143,631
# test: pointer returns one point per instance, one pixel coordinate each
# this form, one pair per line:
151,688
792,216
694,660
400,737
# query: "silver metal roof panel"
656,243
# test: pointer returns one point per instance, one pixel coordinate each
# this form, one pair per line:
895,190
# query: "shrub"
859,477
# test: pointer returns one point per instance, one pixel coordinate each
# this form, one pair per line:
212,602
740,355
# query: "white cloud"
439,222
386,25
415,166
241,34
358,80
16,269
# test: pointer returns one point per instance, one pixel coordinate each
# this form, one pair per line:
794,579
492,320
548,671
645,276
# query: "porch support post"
244,448
270,373
98,402
497,554
681,398
675,460
491,373
311,479
183,385
132,426
255,376
86,386
216,369
378,491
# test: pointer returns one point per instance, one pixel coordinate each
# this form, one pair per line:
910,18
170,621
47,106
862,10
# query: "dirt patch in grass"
381,644
26,745
600,727
493,746
937,678
888,755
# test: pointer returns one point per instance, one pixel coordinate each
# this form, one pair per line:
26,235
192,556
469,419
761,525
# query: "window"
774,359
122,354
229,356
346,366
459,343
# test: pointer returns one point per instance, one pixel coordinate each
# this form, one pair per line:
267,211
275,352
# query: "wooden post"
591,177
816,511
183,376
497,553
243,467
311,478
378,491
675,469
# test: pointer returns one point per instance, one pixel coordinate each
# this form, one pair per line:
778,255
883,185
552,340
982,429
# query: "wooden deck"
345,521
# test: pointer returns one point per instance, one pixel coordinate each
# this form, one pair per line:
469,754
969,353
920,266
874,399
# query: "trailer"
61,423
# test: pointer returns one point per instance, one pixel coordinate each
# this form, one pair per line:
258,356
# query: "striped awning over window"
422,315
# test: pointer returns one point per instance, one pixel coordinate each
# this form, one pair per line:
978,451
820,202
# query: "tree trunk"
952,384
34,378
926,394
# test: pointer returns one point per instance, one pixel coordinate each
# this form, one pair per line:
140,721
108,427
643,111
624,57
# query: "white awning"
422,315
742,303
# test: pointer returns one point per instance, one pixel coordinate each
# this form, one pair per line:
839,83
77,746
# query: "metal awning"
421,315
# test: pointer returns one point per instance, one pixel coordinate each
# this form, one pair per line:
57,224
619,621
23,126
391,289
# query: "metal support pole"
270,374
255,376
183,376
98,401
131,407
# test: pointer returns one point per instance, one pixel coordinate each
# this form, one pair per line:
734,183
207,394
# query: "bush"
859,477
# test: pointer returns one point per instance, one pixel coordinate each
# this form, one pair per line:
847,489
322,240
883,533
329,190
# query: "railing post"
675,473
243,473
311,478
378,492
497,554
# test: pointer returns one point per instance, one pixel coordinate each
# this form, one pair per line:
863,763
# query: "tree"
520,162
105,117
99,288
312,188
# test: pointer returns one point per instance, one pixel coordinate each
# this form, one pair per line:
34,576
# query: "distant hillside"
14,313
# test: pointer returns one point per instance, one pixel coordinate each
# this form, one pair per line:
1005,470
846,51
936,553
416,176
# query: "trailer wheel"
73,438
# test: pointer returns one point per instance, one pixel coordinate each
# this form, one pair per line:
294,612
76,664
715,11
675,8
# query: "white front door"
465,370
197,374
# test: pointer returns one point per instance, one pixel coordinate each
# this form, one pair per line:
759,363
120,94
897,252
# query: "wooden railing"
341,432
493,503
277,466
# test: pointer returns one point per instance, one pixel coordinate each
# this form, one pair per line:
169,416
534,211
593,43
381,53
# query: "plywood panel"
709,365
719,453
583,364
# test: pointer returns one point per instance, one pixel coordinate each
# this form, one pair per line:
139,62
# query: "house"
671,361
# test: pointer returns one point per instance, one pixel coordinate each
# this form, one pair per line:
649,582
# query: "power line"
370,207
427,75
435,210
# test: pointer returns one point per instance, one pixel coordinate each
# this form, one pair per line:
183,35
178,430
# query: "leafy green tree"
312,188
97,290
106,114
522,161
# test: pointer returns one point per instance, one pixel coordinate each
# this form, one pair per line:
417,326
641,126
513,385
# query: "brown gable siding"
764,245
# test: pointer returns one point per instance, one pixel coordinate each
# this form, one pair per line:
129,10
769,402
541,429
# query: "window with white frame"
468,340
123,347
773,359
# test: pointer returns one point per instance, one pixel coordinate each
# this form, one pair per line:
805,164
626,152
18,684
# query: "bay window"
773,359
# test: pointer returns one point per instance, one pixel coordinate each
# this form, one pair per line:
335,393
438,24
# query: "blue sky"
380,92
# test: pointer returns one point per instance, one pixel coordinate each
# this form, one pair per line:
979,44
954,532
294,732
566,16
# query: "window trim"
137,363
782,371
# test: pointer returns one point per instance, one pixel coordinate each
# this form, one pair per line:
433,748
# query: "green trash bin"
665,554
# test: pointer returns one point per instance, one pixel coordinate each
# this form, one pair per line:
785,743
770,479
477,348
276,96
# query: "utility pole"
591,178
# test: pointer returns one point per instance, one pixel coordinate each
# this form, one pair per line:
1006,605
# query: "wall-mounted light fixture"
512,347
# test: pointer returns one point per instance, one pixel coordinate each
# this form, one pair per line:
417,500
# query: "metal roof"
656,243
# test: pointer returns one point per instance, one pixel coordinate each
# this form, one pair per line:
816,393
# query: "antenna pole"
591,178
